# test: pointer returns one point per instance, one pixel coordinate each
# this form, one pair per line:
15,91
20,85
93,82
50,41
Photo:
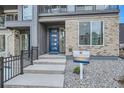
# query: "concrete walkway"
46,72
36,81
45,69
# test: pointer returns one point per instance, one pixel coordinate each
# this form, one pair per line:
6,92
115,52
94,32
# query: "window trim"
23,14
4,43
2,15
91,32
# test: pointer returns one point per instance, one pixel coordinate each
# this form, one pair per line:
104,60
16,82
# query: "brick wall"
111,35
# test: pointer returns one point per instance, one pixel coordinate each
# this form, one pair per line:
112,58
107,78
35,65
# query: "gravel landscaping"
97,74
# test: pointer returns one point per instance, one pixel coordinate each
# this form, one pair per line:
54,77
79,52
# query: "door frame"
28,37
49,29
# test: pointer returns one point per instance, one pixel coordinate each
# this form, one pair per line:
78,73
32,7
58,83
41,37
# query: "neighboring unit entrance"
53,40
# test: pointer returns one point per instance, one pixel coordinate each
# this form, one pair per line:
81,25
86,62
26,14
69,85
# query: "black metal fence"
34,54
13,66
1,72
25,58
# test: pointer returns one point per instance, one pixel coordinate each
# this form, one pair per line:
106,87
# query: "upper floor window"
2,21
2,43
91,33
27,12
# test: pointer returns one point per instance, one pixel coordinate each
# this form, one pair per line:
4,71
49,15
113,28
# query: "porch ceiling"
20,28
8,7
54,23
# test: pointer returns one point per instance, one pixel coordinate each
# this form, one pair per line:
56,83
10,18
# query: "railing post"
31,55
1,72
21,62
37,52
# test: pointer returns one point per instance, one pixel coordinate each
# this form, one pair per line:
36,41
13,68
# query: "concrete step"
45,69
50,61
50,56
36,81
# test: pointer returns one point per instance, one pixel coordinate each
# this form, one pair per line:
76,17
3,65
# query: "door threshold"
53,53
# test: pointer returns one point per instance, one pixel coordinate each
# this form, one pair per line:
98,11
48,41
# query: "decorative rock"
97,74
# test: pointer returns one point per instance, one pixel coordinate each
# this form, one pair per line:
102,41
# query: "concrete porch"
51,59
47,72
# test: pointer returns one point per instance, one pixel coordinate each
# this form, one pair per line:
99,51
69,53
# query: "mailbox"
81,56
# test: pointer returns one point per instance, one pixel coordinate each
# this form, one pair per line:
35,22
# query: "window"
27,12
84,34
2,21
91,33
97,33
2,43
24,41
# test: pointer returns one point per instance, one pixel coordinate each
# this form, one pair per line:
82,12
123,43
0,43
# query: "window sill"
89,45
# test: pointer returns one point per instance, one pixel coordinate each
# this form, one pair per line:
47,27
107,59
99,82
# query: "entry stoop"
45,69
56,59
51,61
52,56
47,72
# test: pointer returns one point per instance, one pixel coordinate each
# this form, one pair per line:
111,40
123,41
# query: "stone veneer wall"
17,50
111,35
9,42
12,42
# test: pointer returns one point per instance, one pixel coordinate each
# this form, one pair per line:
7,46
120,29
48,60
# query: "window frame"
4,42
4,21
90,32
79,33
23,13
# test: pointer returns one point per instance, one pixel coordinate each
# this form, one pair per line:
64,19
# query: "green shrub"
120,80
76,70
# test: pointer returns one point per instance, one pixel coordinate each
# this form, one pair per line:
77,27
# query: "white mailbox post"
81,57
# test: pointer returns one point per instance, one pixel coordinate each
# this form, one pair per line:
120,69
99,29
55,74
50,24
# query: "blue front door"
53,40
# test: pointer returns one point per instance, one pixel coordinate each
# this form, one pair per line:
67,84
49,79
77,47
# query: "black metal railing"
34,54
1,72
10,67
13,66
55,9
25,58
